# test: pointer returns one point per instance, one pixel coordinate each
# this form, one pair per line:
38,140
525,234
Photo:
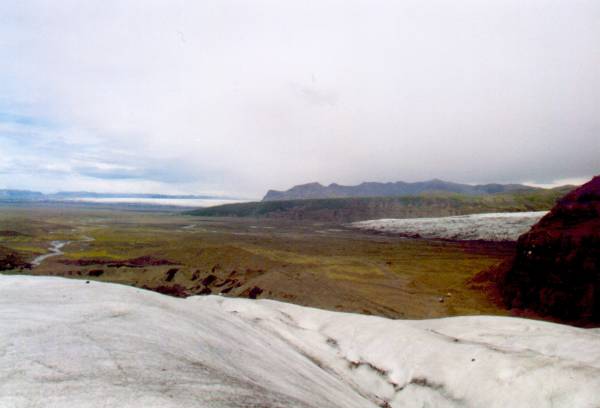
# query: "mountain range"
27,195
350,209
397,189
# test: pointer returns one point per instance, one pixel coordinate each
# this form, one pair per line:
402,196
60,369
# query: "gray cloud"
242,96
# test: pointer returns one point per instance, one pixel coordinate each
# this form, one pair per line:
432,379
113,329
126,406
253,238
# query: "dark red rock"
96,272
208,280
147,261
170,274
10,259
175,290
556,268
111,263
255,292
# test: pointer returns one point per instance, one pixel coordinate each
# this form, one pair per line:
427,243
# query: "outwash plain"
313,263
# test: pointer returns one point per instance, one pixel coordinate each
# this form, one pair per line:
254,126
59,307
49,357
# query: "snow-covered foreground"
65,343
488,227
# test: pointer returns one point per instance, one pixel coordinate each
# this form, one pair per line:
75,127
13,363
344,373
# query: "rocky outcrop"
556,270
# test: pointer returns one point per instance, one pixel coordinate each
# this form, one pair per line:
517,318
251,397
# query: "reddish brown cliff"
556,270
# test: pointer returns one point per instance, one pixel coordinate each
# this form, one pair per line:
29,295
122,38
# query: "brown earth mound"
556,269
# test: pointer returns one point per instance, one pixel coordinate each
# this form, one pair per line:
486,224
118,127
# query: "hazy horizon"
236,98
226,199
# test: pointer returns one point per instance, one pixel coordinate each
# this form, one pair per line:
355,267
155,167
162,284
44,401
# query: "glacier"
485,227
76,343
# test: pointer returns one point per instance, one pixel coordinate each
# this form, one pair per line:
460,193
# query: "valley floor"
308,263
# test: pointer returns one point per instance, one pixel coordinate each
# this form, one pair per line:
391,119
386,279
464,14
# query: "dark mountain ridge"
396,189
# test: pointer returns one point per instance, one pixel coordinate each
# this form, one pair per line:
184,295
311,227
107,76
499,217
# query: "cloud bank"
241,96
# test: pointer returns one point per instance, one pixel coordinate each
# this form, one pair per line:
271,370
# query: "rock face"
556,270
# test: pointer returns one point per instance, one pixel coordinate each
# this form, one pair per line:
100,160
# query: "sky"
238,97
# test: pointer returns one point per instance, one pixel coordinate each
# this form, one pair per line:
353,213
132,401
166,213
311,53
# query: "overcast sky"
236,97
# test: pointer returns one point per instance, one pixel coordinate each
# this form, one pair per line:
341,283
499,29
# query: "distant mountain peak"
313,184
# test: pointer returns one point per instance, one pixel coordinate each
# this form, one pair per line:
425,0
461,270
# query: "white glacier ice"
487,227
66,343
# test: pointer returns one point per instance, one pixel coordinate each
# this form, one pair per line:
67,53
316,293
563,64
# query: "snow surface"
487,227
65,343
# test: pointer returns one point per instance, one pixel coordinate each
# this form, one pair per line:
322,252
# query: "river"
53,250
